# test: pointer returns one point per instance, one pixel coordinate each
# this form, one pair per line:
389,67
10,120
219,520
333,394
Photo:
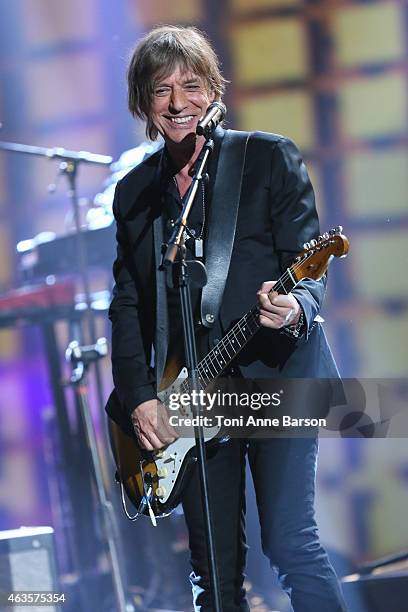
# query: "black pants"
283,470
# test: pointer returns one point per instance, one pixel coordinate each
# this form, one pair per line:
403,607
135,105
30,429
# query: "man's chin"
183,138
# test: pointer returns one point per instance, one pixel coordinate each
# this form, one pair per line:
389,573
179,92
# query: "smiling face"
179,101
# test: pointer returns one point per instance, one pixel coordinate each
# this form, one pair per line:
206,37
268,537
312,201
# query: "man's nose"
178,100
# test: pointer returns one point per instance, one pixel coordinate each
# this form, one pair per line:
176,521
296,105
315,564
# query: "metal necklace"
198,240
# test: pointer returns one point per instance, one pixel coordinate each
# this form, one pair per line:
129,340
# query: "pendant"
198,247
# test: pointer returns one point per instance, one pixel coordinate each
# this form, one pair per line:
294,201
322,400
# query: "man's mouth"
181,120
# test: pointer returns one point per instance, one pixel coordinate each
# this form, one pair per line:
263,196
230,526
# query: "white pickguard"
170,460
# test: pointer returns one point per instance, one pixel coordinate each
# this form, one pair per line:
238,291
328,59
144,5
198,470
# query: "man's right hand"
151,424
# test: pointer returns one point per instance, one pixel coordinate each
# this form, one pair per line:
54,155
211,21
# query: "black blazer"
277,215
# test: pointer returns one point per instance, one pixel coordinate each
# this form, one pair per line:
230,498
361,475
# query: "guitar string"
250,316
247,319
208,363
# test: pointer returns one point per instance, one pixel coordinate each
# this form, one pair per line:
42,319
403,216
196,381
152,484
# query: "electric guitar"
153,481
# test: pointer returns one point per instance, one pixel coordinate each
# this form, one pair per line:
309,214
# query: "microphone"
214,115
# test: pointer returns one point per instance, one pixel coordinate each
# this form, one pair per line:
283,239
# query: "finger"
165,440
266,286
266,322
165,436
143,441
272,316
279,319
284,317
164,418
154,440
170,431
265,304
285,301
155,431
275,299
165,425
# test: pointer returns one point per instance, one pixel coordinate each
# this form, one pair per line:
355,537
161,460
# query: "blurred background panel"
243,7
377,183
79,92
155,12
386,510
382,340
290,113
330,75
378,265
362,34
45,23
373,107
269,51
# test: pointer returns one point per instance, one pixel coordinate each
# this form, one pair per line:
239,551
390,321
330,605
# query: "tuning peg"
306,245
332,232
313,243
338,229
319,238
326,235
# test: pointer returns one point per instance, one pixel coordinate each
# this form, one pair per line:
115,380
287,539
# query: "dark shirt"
172,206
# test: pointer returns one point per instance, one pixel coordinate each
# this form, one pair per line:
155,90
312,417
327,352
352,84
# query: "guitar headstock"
314,260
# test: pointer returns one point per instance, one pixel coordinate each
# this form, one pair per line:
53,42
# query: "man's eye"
161,91
193,86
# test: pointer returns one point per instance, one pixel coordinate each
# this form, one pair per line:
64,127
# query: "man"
173,77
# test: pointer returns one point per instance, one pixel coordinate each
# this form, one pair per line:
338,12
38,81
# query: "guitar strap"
162,324
223,221
221,233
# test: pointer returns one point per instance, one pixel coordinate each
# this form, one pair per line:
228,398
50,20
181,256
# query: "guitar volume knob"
160,492
162,472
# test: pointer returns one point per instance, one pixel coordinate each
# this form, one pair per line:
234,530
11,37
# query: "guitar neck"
225,351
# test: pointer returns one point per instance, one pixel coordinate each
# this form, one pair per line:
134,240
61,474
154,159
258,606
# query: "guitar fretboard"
312,263
220,357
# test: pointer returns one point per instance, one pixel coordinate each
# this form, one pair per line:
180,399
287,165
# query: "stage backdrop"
332,76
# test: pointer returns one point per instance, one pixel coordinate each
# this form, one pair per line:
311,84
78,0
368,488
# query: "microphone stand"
187,271
68,167
80,358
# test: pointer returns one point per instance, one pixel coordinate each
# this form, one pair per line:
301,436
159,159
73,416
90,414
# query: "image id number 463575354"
31,598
